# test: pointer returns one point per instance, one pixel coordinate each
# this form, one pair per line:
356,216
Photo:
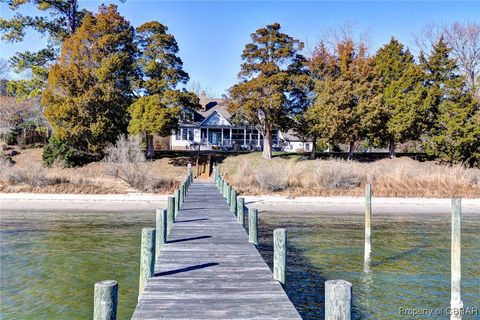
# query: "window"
186,115
184,134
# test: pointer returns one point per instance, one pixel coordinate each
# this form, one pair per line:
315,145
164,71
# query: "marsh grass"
401,177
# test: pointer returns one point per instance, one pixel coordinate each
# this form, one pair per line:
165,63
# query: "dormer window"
186,115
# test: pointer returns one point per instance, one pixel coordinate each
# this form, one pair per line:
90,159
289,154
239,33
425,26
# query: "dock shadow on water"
410,266
305,283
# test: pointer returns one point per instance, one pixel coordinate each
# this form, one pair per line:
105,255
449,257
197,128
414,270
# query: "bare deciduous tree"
464,39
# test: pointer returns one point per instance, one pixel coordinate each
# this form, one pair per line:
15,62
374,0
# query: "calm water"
410,264
50,262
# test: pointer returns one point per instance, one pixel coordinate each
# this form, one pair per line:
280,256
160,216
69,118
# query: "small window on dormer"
186,115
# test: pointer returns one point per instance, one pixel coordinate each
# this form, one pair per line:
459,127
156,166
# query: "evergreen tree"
454,116
401,108
156,110
273,78
58,20
89,87
347,100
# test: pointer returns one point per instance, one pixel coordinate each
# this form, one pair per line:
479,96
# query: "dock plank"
209,270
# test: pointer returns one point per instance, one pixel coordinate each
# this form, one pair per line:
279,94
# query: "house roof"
218,105
290,136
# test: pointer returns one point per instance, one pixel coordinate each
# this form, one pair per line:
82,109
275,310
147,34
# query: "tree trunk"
150,149
314,144
391,149
267,143
72,16
350,150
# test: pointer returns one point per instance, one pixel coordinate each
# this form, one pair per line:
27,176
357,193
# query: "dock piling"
253,226
233,202
280,255
456,303
147,258
368,228
161,230
105,300
338,300
171,212
177,201
240,209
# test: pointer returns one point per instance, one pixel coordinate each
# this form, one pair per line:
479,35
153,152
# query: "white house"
212,128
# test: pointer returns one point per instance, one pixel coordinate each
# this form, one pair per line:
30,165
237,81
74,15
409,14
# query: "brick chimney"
203,100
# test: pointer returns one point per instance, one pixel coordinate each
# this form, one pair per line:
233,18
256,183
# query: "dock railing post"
280,255
182,186
177,201
105,300
229,195
161,230
338,300
171,212
233,202
368,228
240,209
253,226
225,187
147,258
456,303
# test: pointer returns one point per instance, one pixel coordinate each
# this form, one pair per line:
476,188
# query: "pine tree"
454,116
89,87
273,79
58,20
401,110
156,111
347,100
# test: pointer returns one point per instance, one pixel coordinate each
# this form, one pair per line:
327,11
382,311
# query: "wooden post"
338,300
368,228
225,187
181,193
233,202
177,202
161,230
105,300
184,190
171,212
280,255
189,168
456,303
147,258
229,194
240,209
253,226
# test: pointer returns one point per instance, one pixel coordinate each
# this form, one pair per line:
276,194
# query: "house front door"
214,138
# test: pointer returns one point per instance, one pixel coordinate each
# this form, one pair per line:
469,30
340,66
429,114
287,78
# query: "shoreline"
136,202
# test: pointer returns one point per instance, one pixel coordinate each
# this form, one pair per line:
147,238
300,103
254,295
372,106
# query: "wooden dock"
209,270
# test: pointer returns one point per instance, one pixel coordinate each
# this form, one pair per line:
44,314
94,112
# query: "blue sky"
212,34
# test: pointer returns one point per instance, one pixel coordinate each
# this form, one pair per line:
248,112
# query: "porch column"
258,137
207,137
230,136
244,136
222,136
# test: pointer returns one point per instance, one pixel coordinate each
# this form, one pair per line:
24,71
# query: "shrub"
271,177
60,152
33,175
126,161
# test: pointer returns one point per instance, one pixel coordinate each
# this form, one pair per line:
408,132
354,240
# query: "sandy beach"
281,204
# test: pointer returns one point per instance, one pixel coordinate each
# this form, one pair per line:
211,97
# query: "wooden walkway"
208,270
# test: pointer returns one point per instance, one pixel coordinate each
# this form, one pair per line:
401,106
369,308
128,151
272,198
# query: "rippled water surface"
410,265
50,262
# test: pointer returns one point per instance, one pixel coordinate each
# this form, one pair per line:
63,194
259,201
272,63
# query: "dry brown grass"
28,175
401,177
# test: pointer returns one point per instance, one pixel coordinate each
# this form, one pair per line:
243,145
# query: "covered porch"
231,138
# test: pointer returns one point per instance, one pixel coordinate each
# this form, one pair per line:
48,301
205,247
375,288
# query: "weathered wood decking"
208,270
